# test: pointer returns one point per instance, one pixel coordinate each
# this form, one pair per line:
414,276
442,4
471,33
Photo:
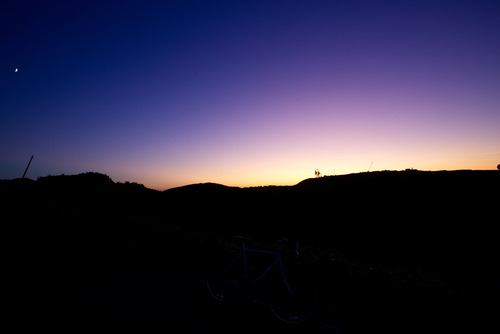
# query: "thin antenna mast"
29,163
370,166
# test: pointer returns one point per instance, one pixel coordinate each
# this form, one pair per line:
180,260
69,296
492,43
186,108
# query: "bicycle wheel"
296,305
221,289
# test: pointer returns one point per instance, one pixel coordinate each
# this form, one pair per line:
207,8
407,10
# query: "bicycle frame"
247,282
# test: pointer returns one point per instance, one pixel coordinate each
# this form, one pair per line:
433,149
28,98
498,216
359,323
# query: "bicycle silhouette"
290,295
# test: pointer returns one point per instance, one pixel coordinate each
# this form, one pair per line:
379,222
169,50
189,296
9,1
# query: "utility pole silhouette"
29,163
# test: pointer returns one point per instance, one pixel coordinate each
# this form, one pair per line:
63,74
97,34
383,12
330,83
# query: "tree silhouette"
498,166
317,173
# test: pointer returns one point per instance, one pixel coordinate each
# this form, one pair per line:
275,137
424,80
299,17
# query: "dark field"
396,252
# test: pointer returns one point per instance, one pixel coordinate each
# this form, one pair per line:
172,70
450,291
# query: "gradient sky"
247,93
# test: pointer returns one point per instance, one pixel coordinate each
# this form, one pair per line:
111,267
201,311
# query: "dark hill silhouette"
208,187
444,220
409,237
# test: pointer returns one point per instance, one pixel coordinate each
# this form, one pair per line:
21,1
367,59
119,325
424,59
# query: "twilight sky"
247,93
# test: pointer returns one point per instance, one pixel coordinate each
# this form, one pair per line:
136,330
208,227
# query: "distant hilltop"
438,218
82,180
407,174
96,179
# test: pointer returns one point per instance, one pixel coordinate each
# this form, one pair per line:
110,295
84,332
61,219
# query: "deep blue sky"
243,93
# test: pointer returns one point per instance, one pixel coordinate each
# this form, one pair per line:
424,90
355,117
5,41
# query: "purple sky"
247,93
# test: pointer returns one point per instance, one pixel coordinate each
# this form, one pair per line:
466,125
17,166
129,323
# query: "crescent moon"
16,70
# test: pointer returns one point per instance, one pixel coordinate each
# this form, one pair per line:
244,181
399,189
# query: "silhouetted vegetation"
406,228
438,220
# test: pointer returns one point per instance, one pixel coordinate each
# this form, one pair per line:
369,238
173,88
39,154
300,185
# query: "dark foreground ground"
81,286
96,256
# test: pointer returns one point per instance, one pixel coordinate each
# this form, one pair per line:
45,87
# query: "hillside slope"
443,221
